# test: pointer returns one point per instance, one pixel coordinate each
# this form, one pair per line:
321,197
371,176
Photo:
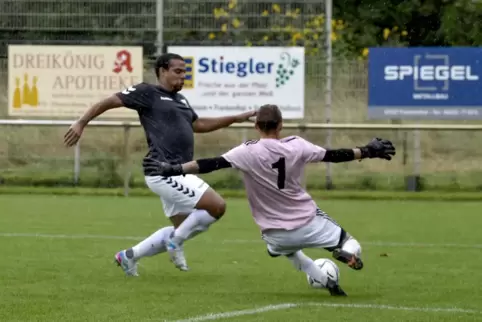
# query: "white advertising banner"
229,80
64,81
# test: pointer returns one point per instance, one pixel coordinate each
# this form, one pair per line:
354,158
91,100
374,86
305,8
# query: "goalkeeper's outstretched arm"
342,155
234,158
239,158
376,148
155,167
205,165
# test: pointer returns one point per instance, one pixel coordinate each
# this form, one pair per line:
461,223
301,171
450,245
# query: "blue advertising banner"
425,83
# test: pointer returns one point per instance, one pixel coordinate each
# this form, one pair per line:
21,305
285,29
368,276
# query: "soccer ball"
329,268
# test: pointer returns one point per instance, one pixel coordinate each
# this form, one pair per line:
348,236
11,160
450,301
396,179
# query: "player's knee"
352,246
219,208
213,203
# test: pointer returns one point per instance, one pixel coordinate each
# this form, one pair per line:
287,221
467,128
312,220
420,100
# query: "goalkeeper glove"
378,148
163,169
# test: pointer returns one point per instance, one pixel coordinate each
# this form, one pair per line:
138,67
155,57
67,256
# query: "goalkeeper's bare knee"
351,245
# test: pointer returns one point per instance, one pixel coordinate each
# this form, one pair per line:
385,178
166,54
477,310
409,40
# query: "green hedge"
231,180
226,193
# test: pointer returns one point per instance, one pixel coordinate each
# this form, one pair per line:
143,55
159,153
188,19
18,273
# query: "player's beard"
179,86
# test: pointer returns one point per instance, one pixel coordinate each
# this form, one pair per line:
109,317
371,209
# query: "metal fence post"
160,26
304,181
413,182
328,87
77,163
127,168
417,158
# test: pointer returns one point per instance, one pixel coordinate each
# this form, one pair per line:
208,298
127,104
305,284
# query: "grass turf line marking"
232,314
284,306
235,241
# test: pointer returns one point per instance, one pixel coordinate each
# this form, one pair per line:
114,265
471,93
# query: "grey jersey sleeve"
137,97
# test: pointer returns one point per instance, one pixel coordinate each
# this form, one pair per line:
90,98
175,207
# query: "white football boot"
176,253
129,266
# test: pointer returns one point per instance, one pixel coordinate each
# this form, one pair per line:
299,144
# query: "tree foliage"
422,22
357,24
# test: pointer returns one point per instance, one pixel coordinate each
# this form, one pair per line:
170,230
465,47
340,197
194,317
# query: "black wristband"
339,155
212,164
365,153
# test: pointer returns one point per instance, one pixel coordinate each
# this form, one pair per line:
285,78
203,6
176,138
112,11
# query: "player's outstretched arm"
209,124
163,169
74,133
376,148
135,97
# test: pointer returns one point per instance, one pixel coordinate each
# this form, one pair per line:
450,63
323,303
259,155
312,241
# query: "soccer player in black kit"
169,124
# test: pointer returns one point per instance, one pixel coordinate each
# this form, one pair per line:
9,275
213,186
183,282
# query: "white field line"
63,236
232,314
284,306
235,241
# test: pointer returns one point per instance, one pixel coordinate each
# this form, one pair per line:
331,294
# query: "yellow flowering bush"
265,23
390,37
276,24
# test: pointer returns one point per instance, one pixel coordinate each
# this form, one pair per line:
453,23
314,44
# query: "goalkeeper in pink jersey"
287,216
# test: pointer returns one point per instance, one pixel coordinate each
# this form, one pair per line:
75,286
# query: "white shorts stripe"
179,195
179,187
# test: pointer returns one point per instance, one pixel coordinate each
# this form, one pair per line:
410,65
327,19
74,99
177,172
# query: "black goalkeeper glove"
163,169
378,148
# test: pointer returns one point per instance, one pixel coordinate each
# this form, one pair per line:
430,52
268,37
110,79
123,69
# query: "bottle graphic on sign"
33,99
26,94
17,95
26,90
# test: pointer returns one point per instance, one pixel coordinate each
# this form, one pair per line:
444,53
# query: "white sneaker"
129,266
176,253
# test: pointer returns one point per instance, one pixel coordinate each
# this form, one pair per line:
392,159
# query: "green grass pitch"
422,263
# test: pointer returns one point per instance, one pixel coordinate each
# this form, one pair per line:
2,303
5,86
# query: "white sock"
303,263
197,230
197,222
152,245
